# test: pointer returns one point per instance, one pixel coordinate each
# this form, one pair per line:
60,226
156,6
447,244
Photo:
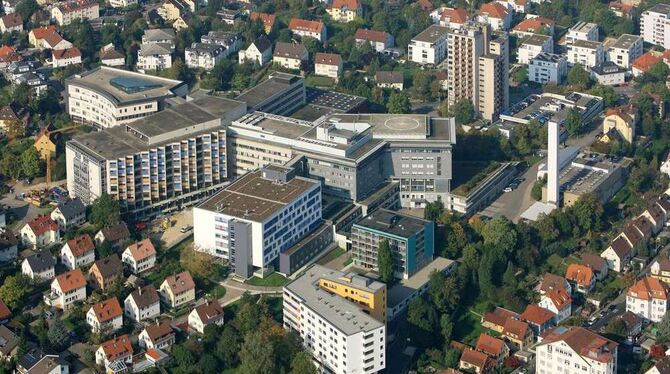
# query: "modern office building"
655,25
411,239
337,331
352,154
257,217
280,94
160,163
107,97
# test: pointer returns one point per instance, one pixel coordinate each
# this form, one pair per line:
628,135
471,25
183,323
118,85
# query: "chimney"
553,166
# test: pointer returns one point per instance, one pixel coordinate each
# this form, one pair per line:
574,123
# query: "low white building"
154,56
378,40
429,46
328,65
209,313
39,232
547,68
258,52
625,50
157,336
70,214
586,53
495,14
140,256
608,74
532,46
665,167
575,349
205,56
67,289
78,252
142,304
64,57
307,28
40,266
111,56
582,31
648,298
105,317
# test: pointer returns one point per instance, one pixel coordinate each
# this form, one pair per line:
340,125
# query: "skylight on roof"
132,85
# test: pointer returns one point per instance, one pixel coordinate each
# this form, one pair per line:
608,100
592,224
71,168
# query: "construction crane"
46,148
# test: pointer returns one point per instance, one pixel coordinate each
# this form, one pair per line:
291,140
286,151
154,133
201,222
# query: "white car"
508,189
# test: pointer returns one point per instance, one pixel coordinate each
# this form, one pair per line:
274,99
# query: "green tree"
105,211
499,232
14,289
399,103
26,8
463,111
58,335
446,327
578,76
228,347
423,321
589,212
573,122
663,329
10,166
452,357
521,74
433,211
617,326
443,292
257,355
385,262
208,364
607,93
30,162
536,191
302,364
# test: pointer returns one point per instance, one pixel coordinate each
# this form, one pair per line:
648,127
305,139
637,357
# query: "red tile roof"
454,15
12,20
71,280
157,332
537,315
5,313
551,282
52,39
142,249
646,61
493,10
61,54
559,297
425,5
299,24
6,50
180,282
41,32
267,19
117,348
107,310
515,329
81,245
582,341
490,345
499,316
595,262
534,24
474,358
371,35
346,4
580,274
648,288
209,311
327,59
41,224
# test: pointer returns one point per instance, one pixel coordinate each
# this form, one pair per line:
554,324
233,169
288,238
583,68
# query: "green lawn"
468,328
348,261
330,256
318,81
272,280
217,291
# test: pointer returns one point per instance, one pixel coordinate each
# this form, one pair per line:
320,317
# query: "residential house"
117,349
534,25
105,272
231,41
177,290
229,16
623,120
378,40
142,304
559,302
644,63
453,18
581,277
11,22
290,55
518,333
41,231
496,15
157,336
390,79
154,56
660,269
495,348
328,65
532,46
633,324
596,263
46,37
39,266
111,56
9,245
608,73
78,252
268,20
345,10
306,28
622,10
586,53
496,319
618,254
36,362
105,317
553,282
538,319
140,256
661,366
648,298
209,313
8,55
569,347
477,362
12,114
205,56
656,216
70,214
64,57
9,344
258,52
115,235
67,289
181,23
429,46
159,36
170,10
67,11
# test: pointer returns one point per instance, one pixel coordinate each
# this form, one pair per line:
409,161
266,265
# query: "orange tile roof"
648,288
346,4
300,24
53,39
267,19
81,245
559,297
582,341
646,61
425,5
624,8
5,313
180,282
73,279
490,345
371,35
142,249
61,54
493,10
534,24
474,358
454,15
327,59
579,274
117,348
41,32
537,315
107,310
41,224
6,50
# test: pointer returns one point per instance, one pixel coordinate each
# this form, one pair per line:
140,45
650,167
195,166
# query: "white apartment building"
154,56
430,46
107,97
568,349
582,31
648,298
67,289
655,25
142,304
558,301
262,218
328,65
205,56
341,337
547,68
66,12
533,46
105,317
609,74
121,3
625,50
586,53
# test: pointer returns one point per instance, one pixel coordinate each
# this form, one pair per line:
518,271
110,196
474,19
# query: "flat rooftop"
402,126
538,106
392,222
255,198
122,86
276,83
406,287
660,8
536,39
626,41
338,101
584,26
345,315
587,172
548,57
590,44
169,125
431,34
